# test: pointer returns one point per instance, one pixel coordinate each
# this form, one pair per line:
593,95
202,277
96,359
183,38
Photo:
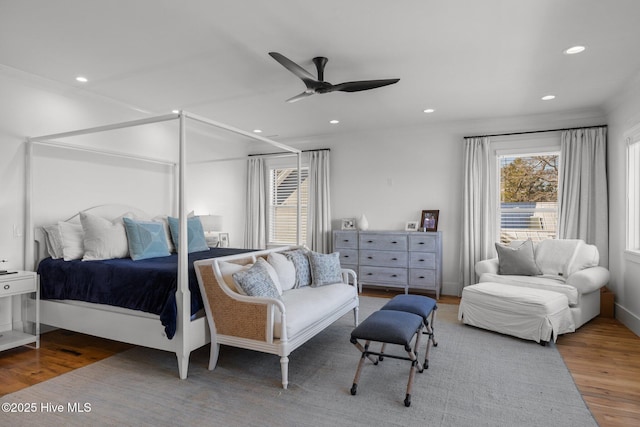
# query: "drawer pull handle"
345,256
421,260
346,240
394,259
394,275
369,274
7,287
394,242
421,277
421,243
369,257
369,241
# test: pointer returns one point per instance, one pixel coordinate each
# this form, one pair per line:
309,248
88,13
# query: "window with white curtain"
528,206
282,206
633,190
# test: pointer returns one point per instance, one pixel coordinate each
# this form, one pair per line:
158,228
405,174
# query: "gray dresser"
393,259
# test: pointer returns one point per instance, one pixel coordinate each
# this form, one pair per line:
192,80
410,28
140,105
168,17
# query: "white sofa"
278,324
567,266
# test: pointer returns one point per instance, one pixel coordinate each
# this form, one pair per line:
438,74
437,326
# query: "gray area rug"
476,378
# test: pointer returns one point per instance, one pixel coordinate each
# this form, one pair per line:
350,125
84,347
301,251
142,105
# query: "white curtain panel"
256,221
478,211
584,198
319,211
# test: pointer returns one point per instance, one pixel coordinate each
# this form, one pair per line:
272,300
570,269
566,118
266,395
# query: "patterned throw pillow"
325,268
147,239
256,281
196,241
301,263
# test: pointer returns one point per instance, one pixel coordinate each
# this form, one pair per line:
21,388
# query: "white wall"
391,176
65,182
624,113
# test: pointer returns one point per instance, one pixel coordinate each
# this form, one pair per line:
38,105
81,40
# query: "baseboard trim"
629,319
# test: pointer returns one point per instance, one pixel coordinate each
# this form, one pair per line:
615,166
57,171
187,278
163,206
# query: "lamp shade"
211,222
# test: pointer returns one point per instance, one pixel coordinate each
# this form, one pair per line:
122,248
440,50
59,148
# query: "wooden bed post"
183,295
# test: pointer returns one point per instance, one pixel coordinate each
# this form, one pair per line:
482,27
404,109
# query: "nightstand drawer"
18,286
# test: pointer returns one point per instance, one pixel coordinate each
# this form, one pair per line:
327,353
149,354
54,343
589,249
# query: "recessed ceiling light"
81,79
334,121
429,110
257,131
548,97
574,49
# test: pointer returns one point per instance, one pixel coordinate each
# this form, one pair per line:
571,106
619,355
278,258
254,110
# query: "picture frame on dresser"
348,224
429,220
223,240
411,226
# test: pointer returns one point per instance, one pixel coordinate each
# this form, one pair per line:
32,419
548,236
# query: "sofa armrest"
589,279
234,314
487,266
349,277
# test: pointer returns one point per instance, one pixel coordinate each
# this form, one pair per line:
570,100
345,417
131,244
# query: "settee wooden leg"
213,355
284,367
355,316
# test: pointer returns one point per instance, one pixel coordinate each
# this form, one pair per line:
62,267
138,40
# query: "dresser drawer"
383,275
421,278
18,286
422,260
423,242
383,258
345,240
383,241
348,257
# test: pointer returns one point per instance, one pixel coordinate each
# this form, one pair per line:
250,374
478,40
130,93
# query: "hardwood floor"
603,357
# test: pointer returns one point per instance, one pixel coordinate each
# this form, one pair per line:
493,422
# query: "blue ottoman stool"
424,307
389,327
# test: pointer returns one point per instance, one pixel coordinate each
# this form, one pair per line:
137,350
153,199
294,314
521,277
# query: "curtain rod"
283,152
535,131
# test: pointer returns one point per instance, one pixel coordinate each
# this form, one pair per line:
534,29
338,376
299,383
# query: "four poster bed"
158,302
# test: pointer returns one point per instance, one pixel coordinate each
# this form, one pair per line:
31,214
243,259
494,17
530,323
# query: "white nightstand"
19,310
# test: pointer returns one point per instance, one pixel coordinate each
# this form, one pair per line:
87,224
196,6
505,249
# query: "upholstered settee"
274,300
567,266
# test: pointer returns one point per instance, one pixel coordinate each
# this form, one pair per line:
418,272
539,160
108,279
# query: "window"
633,190
528,207
283,205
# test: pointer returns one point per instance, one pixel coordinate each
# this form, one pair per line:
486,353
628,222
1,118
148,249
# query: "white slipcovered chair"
566,266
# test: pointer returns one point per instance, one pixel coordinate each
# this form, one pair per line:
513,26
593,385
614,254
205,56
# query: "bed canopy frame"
180,343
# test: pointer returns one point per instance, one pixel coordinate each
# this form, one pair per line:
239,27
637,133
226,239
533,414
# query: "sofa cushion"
285,270
257,281
517,259
549,283
301,263
325,268
306,306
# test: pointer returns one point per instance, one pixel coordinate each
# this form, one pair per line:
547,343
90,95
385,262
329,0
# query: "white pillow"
53,241
274,277
103,239
167,232
285,270
72,240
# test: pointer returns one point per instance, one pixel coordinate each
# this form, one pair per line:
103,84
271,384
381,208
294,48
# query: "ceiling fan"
319,85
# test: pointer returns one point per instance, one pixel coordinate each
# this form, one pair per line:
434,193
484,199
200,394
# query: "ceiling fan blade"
300,96
303,74
361,85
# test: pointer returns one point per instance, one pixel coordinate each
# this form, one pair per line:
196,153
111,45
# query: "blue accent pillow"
146,239
301,263
325,268
196,241
256,281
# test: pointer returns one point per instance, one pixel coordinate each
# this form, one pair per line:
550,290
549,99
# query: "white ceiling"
467,59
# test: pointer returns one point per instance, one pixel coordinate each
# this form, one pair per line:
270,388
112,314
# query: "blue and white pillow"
325,268
301,263
196,241
147,239
256,281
